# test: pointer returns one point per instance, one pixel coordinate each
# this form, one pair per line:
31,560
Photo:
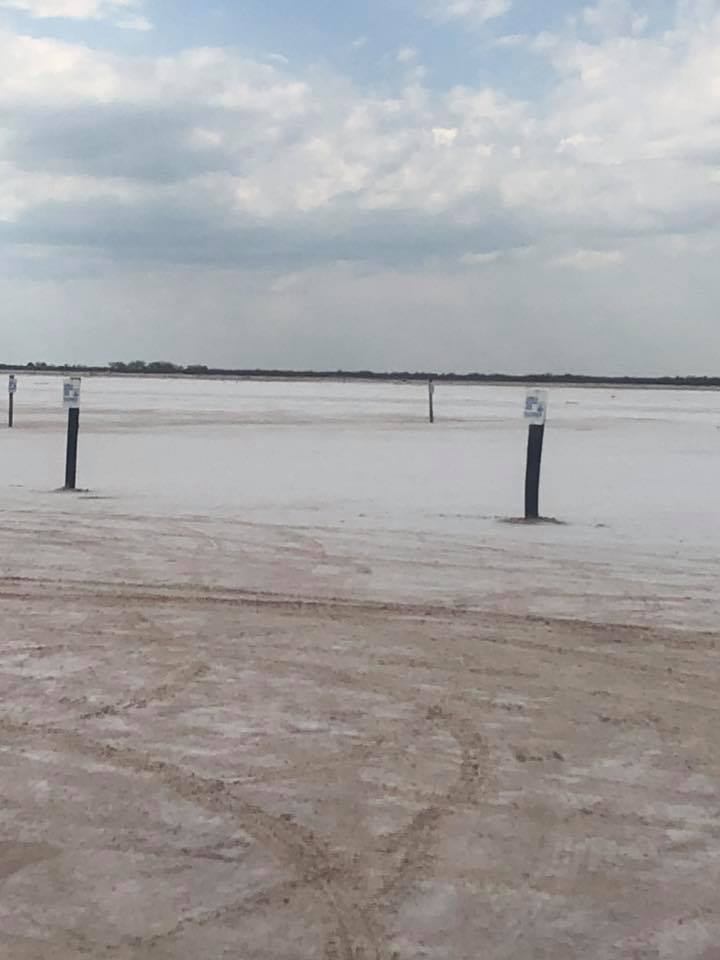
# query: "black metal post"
431,396
72,445
536,435
11,409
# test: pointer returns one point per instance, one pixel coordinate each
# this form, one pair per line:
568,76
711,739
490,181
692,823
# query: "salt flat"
282,683
331,489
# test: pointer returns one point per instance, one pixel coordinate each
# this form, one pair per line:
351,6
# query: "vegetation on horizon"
166,368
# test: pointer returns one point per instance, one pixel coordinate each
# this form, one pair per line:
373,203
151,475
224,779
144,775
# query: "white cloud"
139,23
406,55
617,147
480,259
444,136
21,190
125,13
505,255
209,155
588,259
614,18
510,40
470,11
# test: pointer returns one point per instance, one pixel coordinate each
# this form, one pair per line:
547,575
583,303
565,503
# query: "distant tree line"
165,368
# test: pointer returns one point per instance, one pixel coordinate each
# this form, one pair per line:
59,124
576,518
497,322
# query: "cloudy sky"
493,185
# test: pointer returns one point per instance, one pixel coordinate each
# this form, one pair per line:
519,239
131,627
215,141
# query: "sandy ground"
192,773
227,737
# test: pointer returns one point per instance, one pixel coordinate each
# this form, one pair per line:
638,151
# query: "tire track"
413,844
356,936
277,895
619,643
162,693
358,917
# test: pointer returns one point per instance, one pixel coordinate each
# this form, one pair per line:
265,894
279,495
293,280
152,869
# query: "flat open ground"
281,684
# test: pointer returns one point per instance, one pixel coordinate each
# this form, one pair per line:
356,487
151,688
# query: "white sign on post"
71,393
12,384
536,403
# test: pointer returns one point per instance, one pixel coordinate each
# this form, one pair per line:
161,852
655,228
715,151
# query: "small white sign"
12,384
71,392
536,404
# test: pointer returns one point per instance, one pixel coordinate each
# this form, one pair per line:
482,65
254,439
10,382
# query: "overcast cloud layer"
548,198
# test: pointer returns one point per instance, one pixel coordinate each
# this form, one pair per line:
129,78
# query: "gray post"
431,395
12,387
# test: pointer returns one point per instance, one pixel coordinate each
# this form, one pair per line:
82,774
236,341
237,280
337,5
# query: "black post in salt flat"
71,400
536,435
72,448
536,404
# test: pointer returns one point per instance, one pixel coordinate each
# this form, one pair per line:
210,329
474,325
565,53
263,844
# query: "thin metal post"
12,387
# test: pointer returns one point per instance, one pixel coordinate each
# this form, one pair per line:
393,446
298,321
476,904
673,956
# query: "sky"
489,185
